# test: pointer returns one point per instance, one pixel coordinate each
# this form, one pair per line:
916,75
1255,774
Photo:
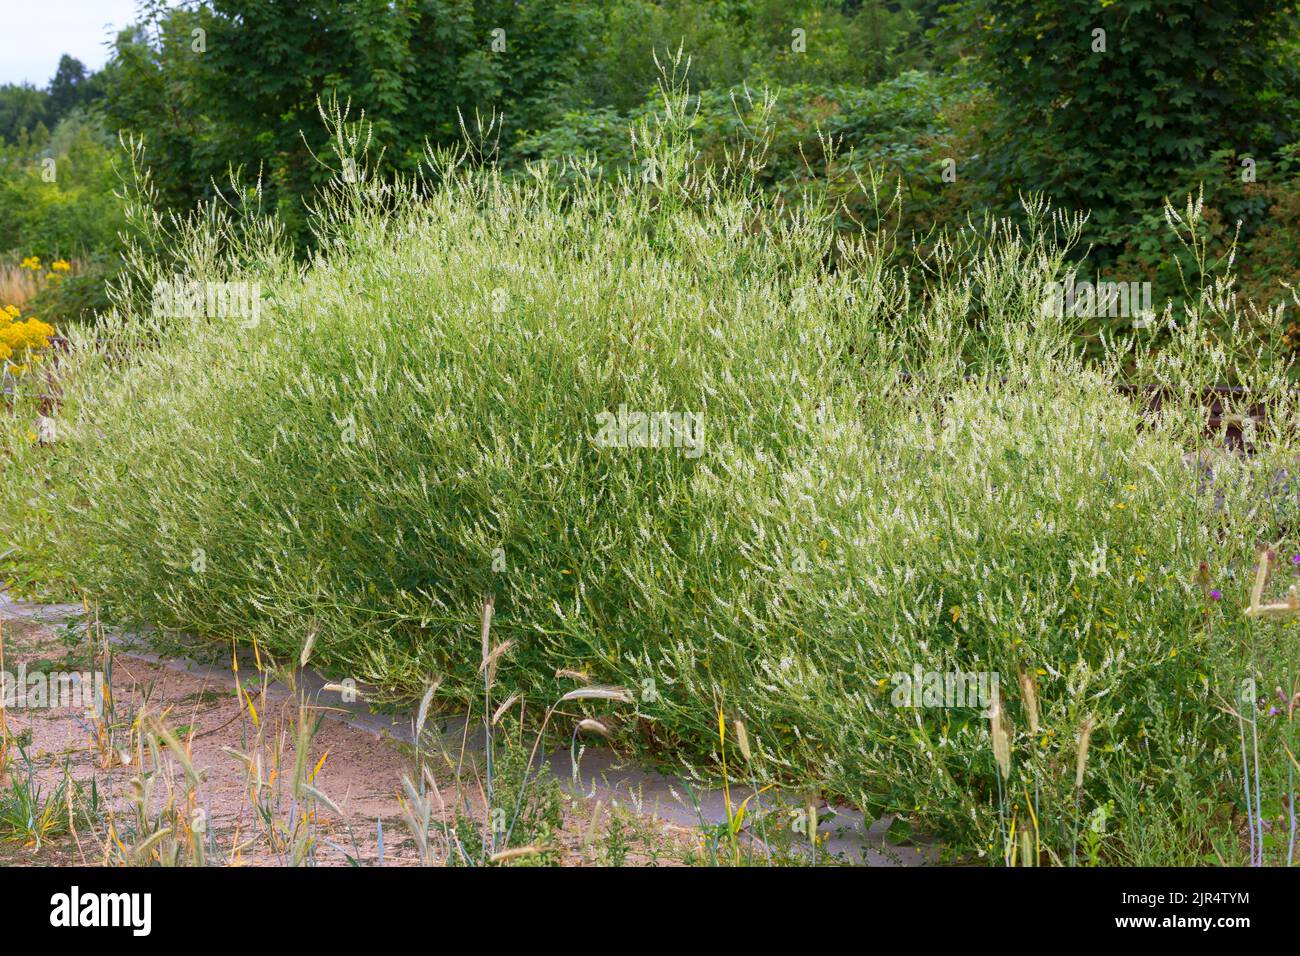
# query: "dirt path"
72,760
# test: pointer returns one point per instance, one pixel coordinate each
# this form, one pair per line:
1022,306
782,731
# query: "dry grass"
202,774
18,286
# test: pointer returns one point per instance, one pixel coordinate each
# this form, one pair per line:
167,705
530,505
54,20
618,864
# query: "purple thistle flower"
1215,594
1295,559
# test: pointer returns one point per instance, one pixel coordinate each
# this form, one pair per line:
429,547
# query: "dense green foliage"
1112,107
833,247
72,209
238,82
25,110
333,468
969,105
823,140
57,201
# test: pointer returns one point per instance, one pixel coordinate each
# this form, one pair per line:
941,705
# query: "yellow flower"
22,340
31,262
32,334
60,265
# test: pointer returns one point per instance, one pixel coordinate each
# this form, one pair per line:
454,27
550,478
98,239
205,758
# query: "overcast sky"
35,33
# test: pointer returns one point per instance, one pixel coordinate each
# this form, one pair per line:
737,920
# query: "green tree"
1109,106
152,89
22,108
71,87
240,82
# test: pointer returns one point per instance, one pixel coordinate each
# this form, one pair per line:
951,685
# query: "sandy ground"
360,773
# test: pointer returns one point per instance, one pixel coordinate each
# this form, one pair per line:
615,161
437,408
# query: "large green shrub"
56,198
415,423
1111,107
831,141
239,83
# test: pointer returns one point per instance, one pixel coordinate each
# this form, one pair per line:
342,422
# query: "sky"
35,33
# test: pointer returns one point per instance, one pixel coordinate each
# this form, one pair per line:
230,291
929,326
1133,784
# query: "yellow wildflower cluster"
21,341
58,267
